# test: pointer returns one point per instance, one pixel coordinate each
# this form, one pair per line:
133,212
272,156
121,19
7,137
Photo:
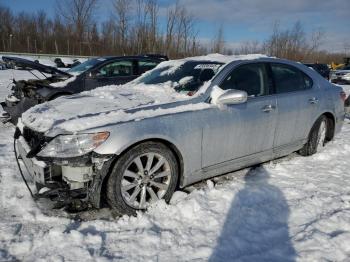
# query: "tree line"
134,27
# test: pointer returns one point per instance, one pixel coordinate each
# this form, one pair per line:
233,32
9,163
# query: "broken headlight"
65,146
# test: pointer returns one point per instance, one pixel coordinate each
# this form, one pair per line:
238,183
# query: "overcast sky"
243,20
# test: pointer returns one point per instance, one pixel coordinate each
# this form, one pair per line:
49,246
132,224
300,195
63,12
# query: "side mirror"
233,97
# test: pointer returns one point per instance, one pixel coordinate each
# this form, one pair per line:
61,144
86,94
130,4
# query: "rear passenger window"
144,66
289,79
251,78
114,69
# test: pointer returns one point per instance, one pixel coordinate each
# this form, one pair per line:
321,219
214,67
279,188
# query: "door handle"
313,100
268,108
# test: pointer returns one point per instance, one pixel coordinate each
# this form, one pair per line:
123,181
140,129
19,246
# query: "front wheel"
144,174
317,137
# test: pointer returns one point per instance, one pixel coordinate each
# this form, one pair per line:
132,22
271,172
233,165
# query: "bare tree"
122,13
172,16
219,42
249,47
79,14
181,37
152,10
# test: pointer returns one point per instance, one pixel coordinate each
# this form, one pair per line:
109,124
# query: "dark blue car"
54,83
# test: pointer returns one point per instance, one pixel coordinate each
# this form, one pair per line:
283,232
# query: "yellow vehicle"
335,66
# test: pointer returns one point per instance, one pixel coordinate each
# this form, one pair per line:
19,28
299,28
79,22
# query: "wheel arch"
331,125
174,149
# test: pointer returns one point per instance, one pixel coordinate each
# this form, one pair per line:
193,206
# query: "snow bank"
6,77
296,208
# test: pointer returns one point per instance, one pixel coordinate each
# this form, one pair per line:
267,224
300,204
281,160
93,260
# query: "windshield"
188,77
78,69
346,68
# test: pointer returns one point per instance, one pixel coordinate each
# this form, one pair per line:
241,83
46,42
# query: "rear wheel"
143,175
317,137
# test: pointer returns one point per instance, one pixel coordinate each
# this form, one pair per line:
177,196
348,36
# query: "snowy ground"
295,208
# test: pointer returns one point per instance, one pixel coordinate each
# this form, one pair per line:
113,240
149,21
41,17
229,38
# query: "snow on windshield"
189,74
187,77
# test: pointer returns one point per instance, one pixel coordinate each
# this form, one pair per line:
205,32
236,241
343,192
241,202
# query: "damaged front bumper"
75,181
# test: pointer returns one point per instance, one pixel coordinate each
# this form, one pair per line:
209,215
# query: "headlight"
64,146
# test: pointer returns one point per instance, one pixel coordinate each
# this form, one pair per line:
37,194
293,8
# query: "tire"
317,137
133,170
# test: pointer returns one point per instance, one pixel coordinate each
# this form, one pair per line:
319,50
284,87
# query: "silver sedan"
182,122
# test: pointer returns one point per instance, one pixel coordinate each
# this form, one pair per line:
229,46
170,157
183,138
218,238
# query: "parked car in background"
322,69
182,122
341,76
85,76
3,65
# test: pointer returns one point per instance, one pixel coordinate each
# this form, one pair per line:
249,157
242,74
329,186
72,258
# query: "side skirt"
228,166
242,162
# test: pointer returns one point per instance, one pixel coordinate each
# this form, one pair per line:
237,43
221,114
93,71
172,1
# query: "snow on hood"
63,83
98,107
112,104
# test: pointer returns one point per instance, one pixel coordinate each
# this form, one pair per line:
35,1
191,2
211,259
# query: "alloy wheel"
145,180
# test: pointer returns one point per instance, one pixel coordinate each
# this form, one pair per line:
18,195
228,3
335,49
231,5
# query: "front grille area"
33,138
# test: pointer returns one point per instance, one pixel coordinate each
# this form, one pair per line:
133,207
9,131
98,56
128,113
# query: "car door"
297,104
113,73
240,130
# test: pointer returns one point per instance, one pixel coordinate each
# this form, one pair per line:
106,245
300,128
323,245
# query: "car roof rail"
159,56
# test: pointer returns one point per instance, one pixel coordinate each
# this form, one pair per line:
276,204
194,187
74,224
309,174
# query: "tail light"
343,96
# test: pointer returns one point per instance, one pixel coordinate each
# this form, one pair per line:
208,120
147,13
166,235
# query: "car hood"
104,106
21,62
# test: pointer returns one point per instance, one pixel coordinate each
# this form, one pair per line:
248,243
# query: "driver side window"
251,78
114,69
